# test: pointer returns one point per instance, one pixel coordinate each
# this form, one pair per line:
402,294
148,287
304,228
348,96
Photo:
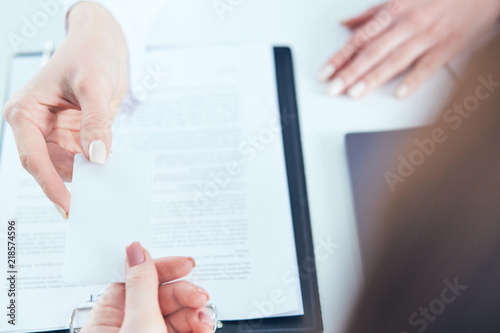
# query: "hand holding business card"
109,208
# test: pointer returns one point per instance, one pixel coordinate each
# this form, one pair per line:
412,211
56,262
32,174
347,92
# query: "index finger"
35,158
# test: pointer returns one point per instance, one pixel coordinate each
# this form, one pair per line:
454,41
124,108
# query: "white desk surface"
312,30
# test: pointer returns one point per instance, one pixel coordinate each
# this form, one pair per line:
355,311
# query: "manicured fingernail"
97,152
205,318
402,91
357,90
192,261
203,291
335,87
61,211
325,72
135,254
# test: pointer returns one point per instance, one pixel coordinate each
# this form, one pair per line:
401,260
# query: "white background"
312,30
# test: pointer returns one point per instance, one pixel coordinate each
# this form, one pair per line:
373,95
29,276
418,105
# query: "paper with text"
110,207
220,191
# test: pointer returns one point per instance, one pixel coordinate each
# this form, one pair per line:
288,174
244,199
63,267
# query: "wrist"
94,46
89,20
85,15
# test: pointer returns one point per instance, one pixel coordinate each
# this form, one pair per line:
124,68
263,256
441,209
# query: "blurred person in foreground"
437,267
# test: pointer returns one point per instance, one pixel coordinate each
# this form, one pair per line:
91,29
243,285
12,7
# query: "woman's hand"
146,304
390,38
69,105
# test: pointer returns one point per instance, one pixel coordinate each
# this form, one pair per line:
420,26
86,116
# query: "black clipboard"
311,321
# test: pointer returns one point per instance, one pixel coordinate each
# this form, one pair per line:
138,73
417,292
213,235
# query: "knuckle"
89,85
359,38
16,110
25,160
134,282
362,35
405,56
370,53
347,51
95,121
8,110
398,59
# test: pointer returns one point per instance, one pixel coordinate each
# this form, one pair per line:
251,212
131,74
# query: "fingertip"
61,211
326,72
336,87
358,90
349,23
190,295
402,91
205,319
193,262
147,255
138,262
61,198
135,254
98,152
141,284
203,292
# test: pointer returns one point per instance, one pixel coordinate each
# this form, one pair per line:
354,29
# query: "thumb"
142,310
95,131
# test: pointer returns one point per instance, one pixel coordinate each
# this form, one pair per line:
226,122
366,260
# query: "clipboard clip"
85,310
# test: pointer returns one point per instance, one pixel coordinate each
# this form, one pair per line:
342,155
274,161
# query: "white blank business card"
109,209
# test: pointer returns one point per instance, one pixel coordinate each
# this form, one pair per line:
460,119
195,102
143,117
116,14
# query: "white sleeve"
135,33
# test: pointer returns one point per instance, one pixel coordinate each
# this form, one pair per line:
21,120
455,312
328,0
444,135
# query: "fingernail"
402,91
357,90
135,254
205,318
192,261
203,291
325,72
61,211
97,152
335,87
